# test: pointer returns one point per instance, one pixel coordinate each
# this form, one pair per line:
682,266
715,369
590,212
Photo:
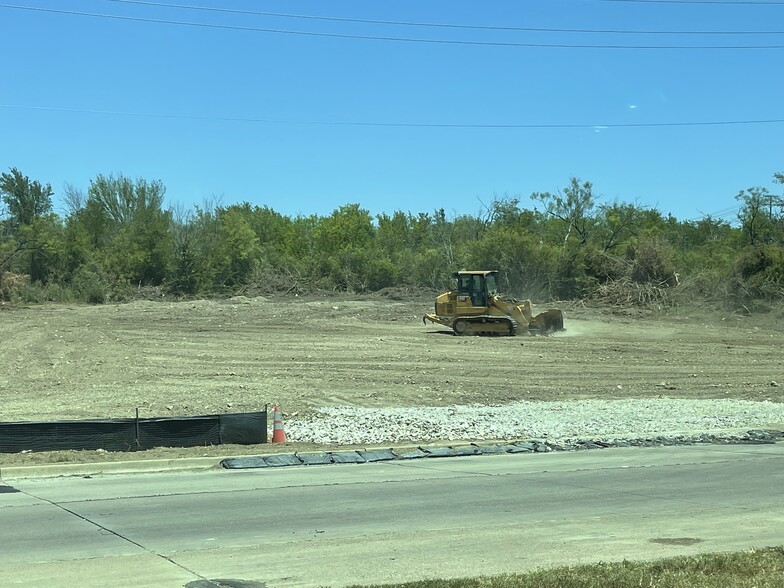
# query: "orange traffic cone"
278,434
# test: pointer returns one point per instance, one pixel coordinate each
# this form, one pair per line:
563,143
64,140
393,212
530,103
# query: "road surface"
374,523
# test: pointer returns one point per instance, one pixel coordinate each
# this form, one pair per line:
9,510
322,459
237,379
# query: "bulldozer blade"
549,321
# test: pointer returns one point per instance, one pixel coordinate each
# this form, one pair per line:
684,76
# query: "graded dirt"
208,357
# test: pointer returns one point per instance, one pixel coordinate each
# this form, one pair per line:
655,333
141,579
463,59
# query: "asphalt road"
374,523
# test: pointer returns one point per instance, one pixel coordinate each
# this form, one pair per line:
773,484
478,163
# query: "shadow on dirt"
451,333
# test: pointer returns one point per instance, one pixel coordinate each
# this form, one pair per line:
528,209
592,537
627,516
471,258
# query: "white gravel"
628,418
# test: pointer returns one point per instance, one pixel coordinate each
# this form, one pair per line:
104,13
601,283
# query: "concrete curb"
754,436
138,466
435,450
112,467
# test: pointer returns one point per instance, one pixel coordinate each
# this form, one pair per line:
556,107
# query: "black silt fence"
135,434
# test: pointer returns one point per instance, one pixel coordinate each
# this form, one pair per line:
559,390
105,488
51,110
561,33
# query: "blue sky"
269,118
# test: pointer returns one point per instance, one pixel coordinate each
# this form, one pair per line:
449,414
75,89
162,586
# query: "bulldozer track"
474,326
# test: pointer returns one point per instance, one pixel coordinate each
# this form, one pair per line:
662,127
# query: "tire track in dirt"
202,357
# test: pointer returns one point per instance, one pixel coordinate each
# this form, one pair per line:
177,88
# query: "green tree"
123,199
301,249
236,250
777,213
31,230
442,231
616,223
141,250
528,266
756,214
195,236
396,241
506,212
25,200
126,223
573,208
343,241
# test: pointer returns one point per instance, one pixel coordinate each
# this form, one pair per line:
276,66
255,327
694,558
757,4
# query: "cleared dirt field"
204,357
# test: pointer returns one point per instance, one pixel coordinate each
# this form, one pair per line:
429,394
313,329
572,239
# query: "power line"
730,210
720,215
435,24
396,125
381,38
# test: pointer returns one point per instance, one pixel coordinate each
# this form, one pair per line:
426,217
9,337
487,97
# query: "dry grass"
761,568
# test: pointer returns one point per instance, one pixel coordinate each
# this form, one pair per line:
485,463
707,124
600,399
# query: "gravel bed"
595,419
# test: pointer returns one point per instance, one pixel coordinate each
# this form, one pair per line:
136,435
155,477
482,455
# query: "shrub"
653,263
89,284
759,272
11,285
39,292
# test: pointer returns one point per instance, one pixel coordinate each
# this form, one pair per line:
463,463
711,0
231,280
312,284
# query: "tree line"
120,237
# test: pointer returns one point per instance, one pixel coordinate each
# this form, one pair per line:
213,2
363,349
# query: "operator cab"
479,286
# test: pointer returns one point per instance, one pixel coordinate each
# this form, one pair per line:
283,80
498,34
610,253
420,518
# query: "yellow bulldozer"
475,307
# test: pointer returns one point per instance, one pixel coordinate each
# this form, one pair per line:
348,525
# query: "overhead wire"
724,214
433,24
385,38
718,215
370,123
397,124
